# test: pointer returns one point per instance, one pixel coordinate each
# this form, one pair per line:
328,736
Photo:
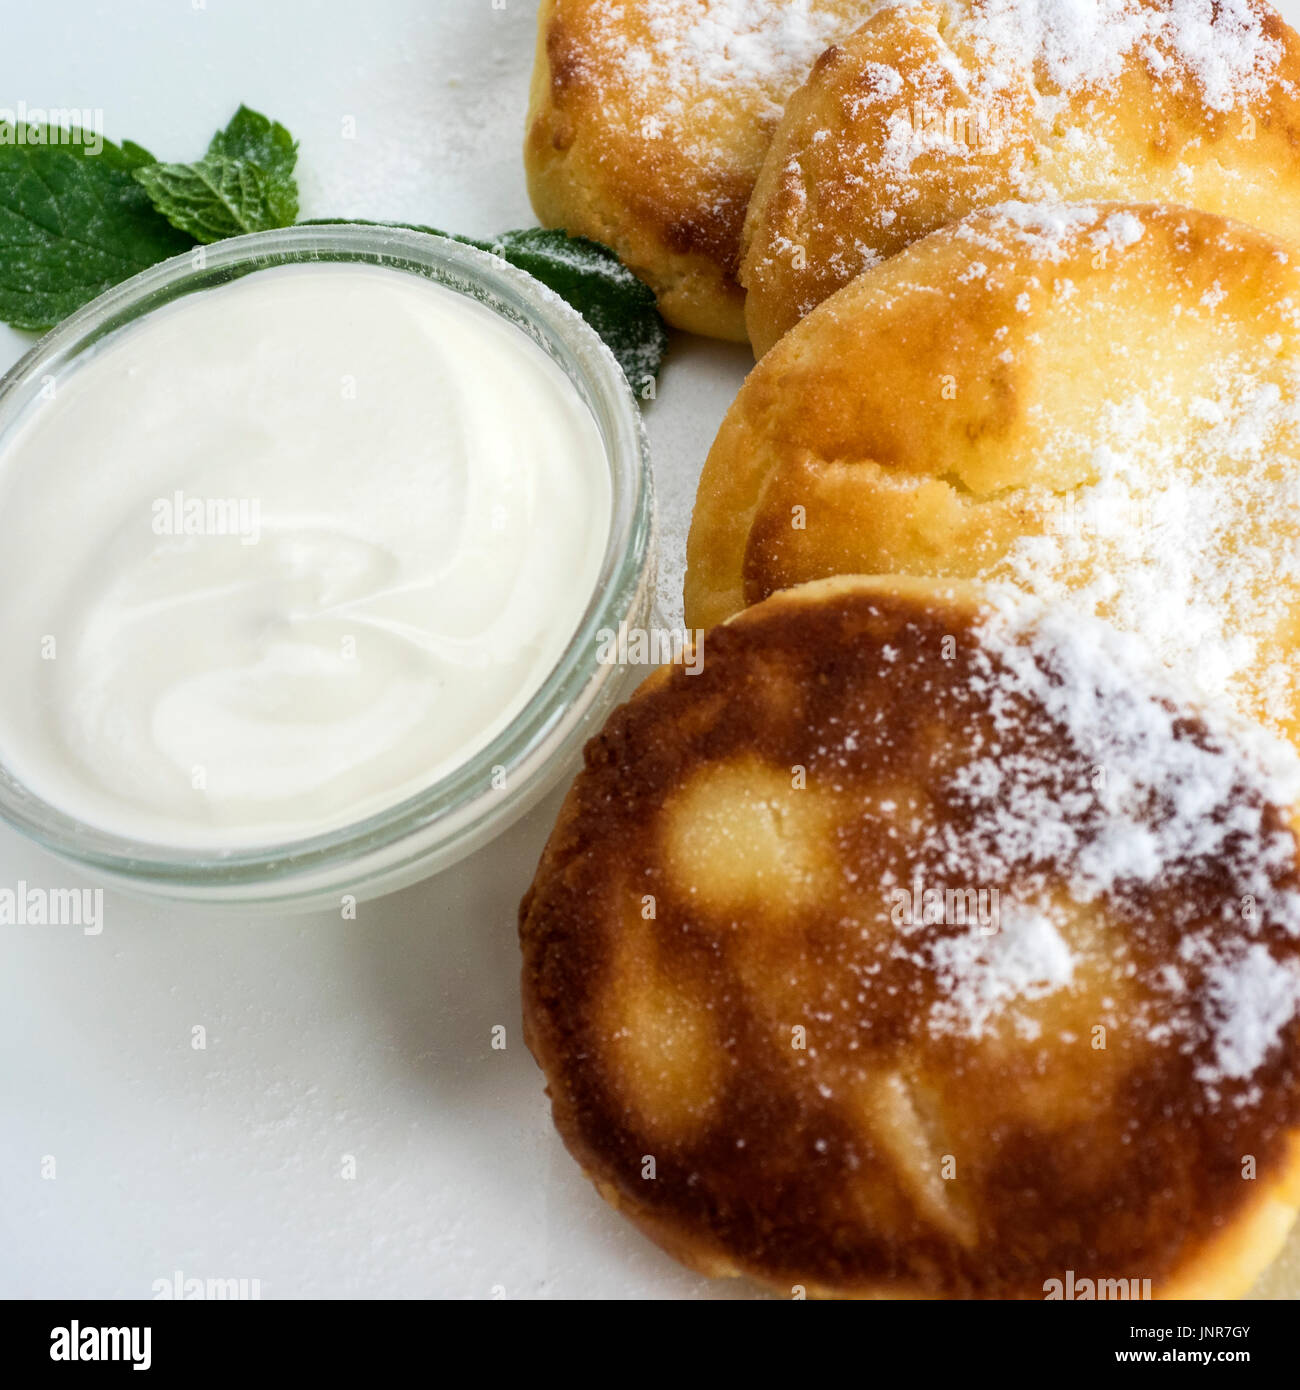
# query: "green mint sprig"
621,308
73,223
244,183
79,214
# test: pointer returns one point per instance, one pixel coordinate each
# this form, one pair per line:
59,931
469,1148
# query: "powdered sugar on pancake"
1253,998
1095,795
983,975
1050,229
683,56
1155,539
975,101
1219,45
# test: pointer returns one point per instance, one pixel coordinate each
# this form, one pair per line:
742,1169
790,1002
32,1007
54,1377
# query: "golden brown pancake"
647,125
1100,404
934,109
923,944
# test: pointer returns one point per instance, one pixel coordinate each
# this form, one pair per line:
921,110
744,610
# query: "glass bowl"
463,810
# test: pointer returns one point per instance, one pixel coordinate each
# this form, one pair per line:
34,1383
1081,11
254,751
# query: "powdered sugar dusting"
980,976
1049,230
691,54
1253,997
966,103
1121,230
1096,799
1219,45
1159,540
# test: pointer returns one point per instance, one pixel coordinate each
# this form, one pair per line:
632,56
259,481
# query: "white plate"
325,1040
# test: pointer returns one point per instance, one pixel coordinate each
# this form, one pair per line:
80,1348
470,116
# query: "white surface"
324,1038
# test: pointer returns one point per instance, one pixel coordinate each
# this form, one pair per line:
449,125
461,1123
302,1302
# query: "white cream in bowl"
284,552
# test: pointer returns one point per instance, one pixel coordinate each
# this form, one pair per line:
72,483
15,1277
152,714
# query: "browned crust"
826,188
601,182
1148,1186
674,216
912,416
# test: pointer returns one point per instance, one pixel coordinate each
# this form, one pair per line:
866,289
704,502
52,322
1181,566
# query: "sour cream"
283,553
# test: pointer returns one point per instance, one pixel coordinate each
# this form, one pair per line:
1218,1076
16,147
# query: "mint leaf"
271,150
589,276
72,223
601,288
258,139
211,199
244,183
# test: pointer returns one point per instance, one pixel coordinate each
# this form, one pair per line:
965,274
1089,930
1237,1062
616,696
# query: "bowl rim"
463,803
